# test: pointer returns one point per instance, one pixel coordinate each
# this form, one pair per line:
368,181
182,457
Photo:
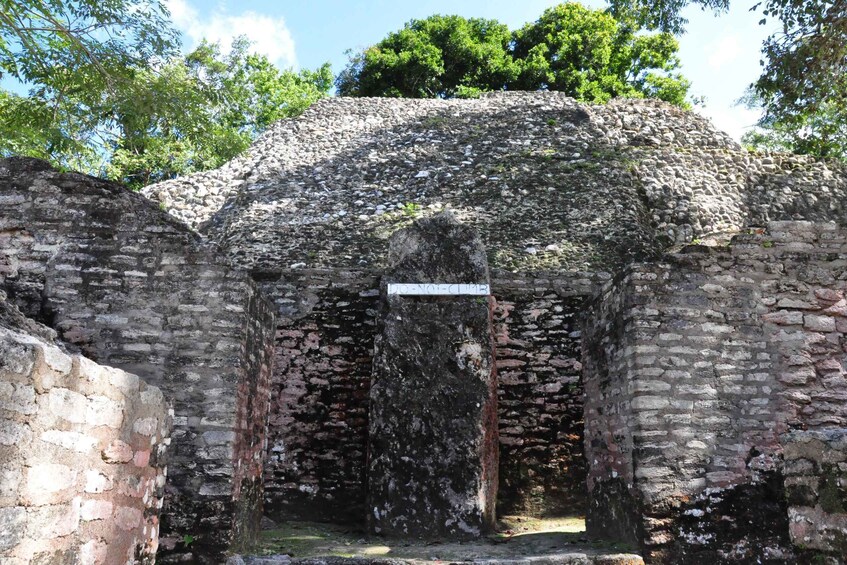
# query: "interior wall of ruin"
322,371
538,336
317,437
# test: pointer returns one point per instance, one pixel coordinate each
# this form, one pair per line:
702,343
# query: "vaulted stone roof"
551,184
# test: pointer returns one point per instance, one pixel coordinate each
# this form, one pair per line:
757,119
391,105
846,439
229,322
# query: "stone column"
433,415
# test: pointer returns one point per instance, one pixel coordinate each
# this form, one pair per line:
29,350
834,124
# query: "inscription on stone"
431,289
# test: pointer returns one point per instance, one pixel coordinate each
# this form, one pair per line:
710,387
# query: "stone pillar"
433,415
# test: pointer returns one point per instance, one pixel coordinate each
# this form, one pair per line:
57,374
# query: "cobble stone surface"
550,184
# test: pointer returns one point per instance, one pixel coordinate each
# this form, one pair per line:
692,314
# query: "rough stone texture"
562,558
133,288
319,410
552,186
432,449
538,337
693,368
317,439
607,361
549,183
816,488
82,454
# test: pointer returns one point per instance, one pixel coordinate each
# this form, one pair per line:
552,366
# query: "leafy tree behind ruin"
110,95
585,53
72,54
201,110
803,85
594,57
440,56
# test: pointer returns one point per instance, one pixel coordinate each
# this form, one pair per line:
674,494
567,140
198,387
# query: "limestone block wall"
694,368
82,458
317,441
135,289
322,368
608,359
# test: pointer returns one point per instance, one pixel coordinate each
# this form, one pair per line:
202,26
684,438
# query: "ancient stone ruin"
83,454
622,315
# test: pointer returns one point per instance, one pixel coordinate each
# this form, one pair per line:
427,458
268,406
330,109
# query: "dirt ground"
517,536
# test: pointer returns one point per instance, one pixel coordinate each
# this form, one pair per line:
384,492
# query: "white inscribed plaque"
432,289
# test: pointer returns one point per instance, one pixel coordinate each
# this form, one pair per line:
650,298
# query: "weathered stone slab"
433,419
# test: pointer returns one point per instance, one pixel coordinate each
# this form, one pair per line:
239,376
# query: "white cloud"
724,50
734,121
270,36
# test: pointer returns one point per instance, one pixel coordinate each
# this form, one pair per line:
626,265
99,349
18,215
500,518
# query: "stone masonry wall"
317,439
321,379
816,488
537,327
713,355
607,363
82,458
135,289
251,417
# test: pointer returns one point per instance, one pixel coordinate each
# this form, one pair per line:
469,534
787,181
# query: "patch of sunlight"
522,525
376,550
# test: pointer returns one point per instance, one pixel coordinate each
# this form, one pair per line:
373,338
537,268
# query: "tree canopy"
102,37
594,57
78,50
803,85
201,110
585,53
440,56
109,93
